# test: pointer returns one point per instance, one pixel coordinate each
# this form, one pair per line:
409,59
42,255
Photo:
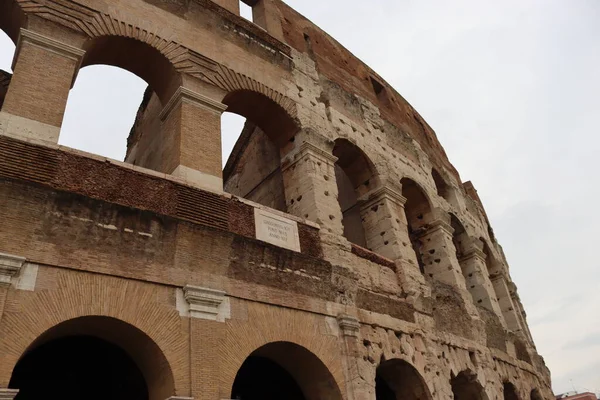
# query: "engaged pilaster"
505,301
310,187
477,279
44,72
191,125
382,212
438,254
349,333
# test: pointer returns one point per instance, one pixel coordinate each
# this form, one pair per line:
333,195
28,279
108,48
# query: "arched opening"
113,108
11,19
418,214
461,241
466,387
398,380
7,51
283,370
255,132
510,392
101,111
95,358
535,395
78,367
355,176
442,188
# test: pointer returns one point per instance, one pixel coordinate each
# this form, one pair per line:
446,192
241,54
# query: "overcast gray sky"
512,89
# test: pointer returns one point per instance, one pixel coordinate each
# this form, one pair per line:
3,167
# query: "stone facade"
338,255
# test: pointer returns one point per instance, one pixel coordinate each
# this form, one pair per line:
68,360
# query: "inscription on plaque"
277,230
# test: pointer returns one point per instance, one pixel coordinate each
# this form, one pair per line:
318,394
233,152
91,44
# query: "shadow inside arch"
93,355
284,370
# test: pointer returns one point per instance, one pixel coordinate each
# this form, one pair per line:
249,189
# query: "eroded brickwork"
339,247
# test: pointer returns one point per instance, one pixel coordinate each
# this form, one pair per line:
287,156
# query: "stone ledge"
10,267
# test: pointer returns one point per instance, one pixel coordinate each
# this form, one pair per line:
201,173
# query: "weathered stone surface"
389,277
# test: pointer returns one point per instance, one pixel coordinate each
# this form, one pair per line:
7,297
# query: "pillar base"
25,128
199,179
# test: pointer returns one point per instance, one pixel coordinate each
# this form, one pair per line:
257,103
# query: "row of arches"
103,107
98,357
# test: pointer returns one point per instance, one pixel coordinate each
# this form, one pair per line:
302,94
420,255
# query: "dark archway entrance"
398,380
510,392
93,357
535,395
250,383
466,387
78,367
284,370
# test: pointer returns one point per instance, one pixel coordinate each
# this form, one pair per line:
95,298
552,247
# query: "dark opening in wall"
440,184
377,87
355,176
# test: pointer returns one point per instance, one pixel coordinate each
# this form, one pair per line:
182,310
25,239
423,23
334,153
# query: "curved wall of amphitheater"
338,255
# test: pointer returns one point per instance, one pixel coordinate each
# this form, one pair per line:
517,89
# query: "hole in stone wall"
378,88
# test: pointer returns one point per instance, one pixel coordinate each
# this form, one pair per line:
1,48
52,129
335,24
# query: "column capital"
437,225
349,325
308,149
183,94
473,253
10,266
8,394
205,303
50,44
381,193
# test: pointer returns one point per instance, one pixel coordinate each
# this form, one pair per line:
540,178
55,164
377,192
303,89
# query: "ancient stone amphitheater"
337,256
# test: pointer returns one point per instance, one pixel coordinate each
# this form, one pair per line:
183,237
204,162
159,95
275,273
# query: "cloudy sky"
512,89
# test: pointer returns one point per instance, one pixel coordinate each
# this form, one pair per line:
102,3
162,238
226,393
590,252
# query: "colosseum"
337,255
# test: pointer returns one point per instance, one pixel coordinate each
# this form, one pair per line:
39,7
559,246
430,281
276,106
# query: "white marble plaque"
277,230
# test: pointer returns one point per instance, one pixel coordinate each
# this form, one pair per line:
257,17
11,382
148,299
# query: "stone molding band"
309,149
383,192
184,94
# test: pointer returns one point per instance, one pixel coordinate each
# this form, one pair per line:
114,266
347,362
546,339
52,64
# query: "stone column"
44,72
231,5
349,332
477,279
265,14
505,301
310,187
191,129
439,258
521,314
439,255
382,212
8,394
